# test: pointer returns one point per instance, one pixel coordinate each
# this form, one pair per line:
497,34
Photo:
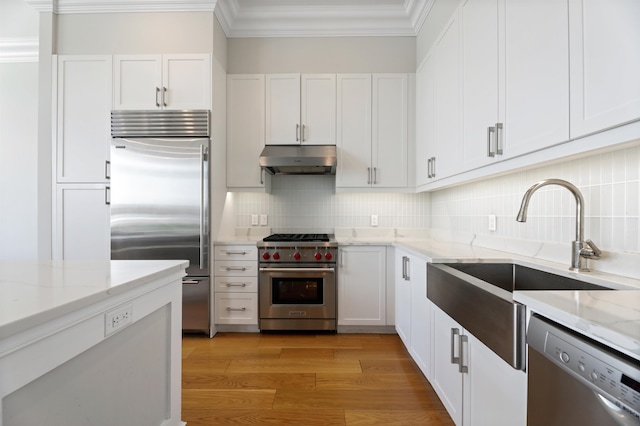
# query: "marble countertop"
35,292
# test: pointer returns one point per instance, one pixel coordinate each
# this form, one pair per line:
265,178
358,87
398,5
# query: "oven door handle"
297,269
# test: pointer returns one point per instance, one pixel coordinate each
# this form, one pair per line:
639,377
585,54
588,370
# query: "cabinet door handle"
261,176
375,175
236,268
407,268
404,268
107,169
368,175
499,139
164,96
490,136
454,334
433,167
297,133
236,284
231,252
107,195
229,309
464,342
302,133
157,95
429,168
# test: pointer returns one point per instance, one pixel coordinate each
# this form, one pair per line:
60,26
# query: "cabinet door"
425,119
137,82
83,127
354,130
282,109
82,223
318,109
403,298
236,308
245,130
495,393
389,142
362,286
480,75
420,316
604,44
448,122
446,378
186,81
536,112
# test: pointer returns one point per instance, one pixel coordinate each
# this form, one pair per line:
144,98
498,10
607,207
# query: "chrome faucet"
581,250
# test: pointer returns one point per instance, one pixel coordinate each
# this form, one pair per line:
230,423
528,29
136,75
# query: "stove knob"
328,256
296,256
318,256
265,256
276,255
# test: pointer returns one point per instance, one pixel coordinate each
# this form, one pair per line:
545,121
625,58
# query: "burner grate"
297,238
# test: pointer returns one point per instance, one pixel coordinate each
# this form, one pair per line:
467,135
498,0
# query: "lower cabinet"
413,310
236,284
475,385
362,285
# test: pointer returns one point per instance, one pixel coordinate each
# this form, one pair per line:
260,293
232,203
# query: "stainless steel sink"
479,297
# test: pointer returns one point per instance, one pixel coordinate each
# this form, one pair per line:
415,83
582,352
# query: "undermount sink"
479,297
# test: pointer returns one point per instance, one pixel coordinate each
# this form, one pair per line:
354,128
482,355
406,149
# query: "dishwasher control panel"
612,375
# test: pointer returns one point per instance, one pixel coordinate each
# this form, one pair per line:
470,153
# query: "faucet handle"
593,252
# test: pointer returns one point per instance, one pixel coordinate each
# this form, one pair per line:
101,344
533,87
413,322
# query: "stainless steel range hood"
299,159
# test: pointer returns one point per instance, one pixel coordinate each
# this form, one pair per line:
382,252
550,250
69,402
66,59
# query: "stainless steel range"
297,284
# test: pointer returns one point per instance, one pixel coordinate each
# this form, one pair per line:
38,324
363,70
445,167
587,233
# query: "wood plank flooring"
304,379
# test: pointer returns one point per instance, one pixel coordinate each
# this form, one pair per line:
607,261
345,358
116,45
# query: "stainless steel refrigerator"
159,196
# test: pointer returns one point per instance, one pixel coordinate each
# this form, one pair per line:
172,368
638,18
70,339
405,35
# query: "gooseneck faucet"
580,250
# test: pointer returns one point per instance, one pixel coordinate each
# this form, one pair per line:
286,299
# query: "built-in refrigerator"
159,196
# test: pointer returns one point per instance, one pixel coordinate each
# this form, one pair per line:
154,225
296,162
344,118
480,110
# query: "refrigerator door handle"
203,188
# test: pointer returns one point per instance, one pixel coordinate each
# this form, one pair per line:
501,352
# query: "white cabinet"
425,120
413,309
515,87
83,104
81,228
245,132
605,64
362,285
236,284
82,222
175,81
372,138
300,109
475,385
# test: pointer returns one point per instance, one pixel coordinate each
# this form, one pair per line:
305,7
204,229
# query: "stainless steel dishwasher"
573,380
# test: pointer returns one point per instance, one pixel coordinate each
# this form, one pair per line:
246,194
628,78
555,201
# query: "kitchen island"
90,342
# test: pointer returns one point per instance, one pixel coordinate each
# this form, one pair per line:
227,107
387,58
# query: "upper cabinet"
372,136
605,64
245,132
149,82
515,87
300,109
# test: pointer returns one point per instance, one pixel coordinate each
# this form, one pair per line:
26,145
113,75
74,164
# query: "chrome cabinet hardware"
107,195
491,131
302,133
107,169
499,139
236,268
463,342
375,175
455,332
368,175
236,284
229,309
157,95
297,133
232,252
164,96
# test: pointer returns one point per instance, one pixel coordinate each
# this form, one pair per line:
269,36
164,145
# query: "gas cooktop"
297,238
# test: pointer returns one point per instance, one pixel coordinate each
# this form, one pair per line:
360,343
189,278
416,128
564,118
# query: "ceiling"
312,18
275,18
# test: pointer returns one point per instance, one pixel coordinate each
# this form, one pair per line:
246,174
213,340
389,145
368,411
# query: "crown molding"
313,20
18,49
116,6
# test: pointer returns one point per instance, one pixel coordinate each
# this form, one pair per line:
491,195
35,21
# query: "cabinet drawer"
236,308
236,284
234,268
234,252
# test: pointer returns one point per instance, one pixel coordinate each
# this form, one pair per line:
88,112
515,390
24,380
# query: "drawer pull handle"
232,252
236,268
236,284
229,309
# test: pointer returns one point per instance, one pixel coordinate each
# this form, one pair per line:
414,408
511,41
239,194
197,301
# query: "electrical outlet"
492,222
117,319
254,220
263,220
374,220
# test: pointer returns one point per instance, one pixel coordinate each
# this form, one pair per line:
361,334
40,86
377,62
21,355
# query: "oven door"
297,298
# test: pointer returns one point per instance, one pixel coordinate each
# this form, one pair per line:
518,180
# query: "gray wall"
321,55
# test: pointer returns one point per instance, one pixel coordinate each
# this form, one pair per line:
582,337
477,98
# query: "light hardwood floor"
304,379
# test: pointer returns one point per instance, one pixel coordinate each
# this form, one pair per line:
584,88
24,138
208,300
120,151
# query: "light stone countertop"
32,292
